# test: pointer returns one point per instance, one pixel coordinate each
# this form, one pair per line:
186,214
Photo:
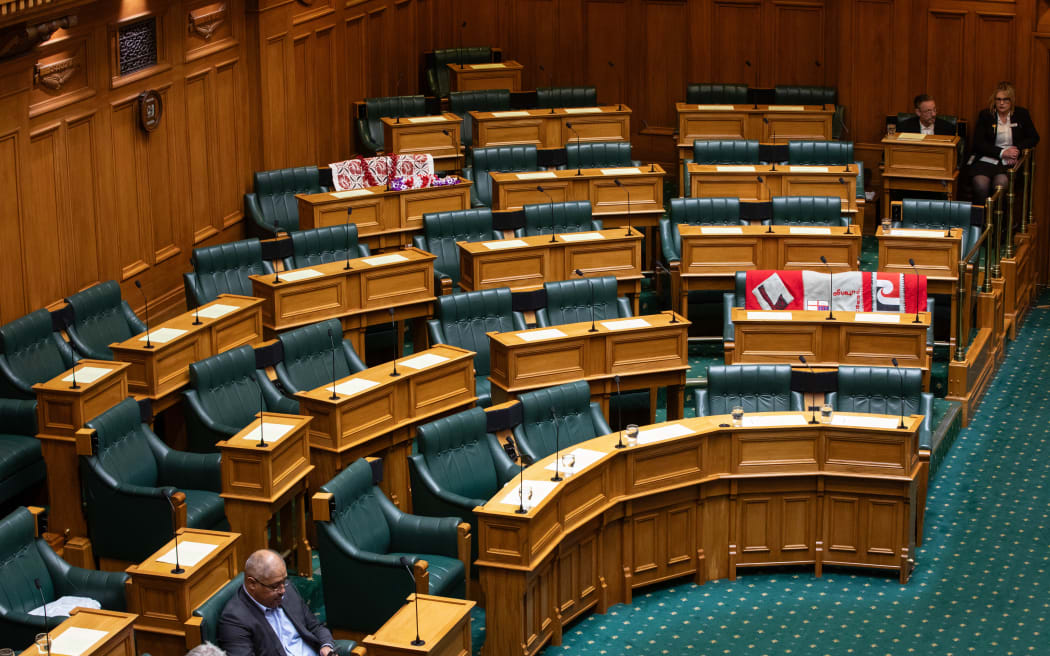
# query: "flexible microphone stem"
40,589
579,171
849,219
550,203
406,562
619,82
197,315
904,298
812,409
349,210
619,413
523,462
660,267
396,340
769,229
773,136
590,283
331,340
276,275
145,303
831,287
900,377
550,80
262,420
177,569
557,447
74,374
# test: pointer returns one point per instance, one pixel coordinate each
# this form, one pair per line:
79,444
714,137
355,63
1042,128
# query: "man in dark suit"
267,617
925,120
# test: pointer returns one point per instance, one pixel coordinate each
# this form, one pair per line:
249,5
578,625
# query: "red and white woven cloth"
364,172
854,291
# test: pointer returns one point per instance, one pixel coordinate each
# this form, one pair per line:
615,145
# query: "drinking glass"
42,642
738,416
825,413
568,461
632,434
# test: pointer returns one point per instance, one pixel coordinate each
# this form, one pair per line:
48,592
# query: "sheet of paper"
773,420
735,168
865,422
504,243
584,459
580,236
300,274
538,335
63,605
624,324
910,136
272,432
539,489
87,374
758,315
624,170
385,259
803,230
809,169
923,234
877,317
715,108
163,335
787,108
662,433
510,114
423,361
582,110
190,553
353,386
351,193
721,230
481,67
425,119
538,175
75,640
217,310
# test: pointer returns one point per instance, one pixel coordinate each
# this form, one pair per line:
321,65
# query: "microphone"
619,413
660,266
397,92
911,261
557,447
262,419
590,283
550,201
40,589
812,409
769,228
145,302
396,336
197,315
569,125
349,210
849,222
831,287
619,83
276,276
524,461
652,165
773,136
331,340
550,80
406,562
900,377
627,191
74,374
462,26
177,569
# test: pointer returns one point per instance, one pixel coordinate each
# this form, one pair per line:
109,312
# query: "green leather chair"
361,546
30,352
496,159
578,419
548,97
719,151
223,269
437,74
754,387
716,94
324,245
100,318
441,231
462,103
598,154
811,95
273,200
21,459
808,211
128,478
307,360
24,559
571,216
695,211
370,126
569,301
224,395
879,390
940,215
464,319
826,153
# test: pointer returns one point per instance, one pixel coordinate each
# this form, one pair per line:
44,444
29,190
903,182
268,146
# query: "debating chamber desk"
643,184
546,128
750,182
919,162
697,497
765,123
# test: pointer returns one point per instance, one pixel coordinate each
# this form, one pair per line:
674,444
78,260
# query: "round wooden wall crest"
150,110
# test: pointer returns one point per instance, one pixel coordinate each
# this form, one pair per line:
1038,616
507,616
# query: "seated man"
268,607
925,120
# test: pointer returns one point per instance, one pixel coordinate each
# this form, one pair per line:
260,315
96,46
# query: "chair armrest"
275,401
433,87
601,425
194,471
832,399
432,498
684,192
926,429
105,587
542,318
136,324
596,224
435,332
701,402
13,381
193,401
365,138
798,401
420,242
18,416
420,534
353,360
142,492
623,307
667,244
189,287
728,332
518,319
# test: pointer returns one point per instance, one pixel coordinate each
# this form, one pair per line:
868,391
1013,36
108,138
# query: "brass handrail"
1022,162
983,242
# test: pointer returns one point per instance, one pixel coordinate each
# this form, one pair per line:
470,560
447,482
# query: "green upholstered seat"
570,301
224,395
272,201
129,477
307,360
211,610
578,419
21,460
100,318
940,215
808,211
497,159
754,387
441,231
571,216
361,546
464,319
223,269
716,94
695,211
826,153
462,103
547,97
25,559
324,245
598,154
804,95
719,151
31,352
370,126
882,390
437,74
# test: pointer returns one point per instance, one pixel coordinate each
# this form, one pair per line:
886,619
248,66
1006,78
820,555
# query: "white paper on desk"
481,67
880,317
163,335
865,422
538,175
75,640
504,243
582,110
580,236
353,386
802,230
190,553
425,119
540,489
910,136
662,433
624,324
584,459
272,432
216,311
520,112
787,108
715,108
924,234
754,315
773,420
351,193
623,170
385,259
721,230
537,335
735,168
424,361
300,274
63,606
87,374
809,169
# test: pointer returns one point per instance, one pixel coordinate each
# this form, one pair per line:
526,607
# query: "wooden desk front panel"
777,522
597,126
796,252
302,302
705,255
794,126
439,199
694,126
932,156
465,78
934,258
646,194
729,185
510,192
821,184
537,130
61,411
755,248
437,136
382,287
621,258
514,268
156,373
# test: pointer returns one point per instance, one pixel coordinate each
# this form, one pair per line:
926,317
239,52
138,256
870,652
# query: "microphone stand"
579,171
660,266
627,191
550,203
813,412
349,210
145,303
523,462
619,413
276,275
407,563
262,420
590,283
831,287
557,448
773,136
47,632
911,261
197,315
74,374
849,221
769,231
177,569
331,340
619,82
900,377
394,373
550,80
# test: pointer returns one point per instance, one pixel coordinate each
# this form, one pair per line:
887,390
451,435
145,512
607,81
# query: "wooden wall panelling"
874,38
606,26
13,302
537,39
947,76
736,43
798,54
657,81
992,65
375,55
355,48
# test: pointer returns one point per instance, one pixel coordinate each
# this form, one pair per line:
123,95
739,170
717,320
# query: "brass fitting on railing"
960,339
995,202
1008,247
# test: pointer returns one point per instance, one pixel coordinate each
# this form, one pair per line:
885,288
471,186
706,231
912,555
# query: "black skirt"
985,168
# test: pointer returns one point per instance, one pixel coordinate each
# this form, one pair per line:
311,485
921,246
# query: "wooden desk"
717,181
546,128
444,627
380,420
119,639
165,601
649,356
260,481
496,75
782,123
426,135
359,297
385,219
528,262
163,370
60,412
512,191
918,162
702,504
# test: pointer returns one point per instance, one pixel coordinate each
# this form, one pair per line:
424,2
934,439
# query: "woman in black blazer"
1003,131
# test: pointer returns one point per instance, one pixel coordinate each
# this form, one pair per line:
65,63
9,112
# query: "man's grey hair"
206,649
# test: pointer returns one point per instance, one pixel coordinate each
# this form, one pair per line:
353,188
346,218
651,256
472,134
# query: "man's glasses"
274,587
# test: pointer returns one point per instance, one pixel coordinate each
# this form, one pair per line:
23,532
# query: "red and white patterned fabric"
854,291
364,172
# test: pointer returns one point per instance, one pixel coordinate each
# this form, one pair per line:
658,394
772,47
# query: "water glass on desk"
738,416
632,434
42,642
568,462
886,225
825,413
